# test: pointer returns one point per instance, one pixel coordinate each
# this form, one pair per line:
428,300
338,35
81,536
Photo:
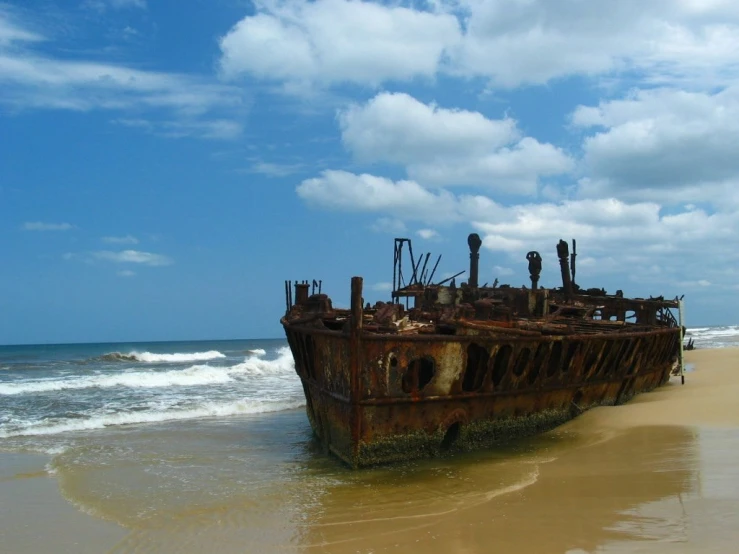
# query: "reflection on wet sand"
566,493
562,491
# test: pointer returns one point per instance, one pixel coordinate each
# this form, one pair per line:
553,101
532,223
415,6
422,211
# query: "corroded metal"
468,367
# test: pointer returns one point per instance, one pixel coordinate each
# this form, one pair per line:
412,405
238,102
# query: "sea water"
53,390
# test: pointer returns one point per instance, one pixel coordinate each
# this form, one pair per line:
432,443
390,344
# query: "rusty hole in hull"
450,437
614,363
632,356
609,351
573,349
501,363
541,354
308,352
554,359
420,372
521,362
575,408
591,360
477,364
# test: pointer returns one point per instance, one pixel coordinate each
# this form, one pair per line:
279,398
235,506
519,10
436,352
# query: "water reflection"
243,485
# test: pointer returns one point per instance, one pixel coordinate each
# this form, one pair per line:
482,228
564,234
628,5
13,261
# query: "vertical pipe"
563,253
474,242
355,360
681,314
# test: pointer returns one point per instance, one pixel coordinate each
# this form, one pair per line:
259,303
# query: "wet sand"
34,517
656,475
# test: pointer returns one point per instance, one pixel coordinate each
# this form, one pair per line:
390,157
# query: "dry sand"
660,474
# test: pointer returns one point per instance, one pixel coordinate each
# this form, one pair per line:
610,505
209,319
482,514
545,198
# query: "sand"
34,517
660,474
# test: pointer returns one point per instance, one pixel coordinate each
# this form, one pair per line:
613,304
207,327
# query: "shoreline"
35,516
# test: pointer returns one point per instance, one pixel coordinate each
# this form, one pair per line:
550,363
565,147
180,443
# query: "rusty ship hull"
469,367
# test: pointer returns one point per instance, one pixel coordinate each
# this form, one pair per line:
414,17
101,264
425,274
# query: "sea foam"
151,357
211,409
196,375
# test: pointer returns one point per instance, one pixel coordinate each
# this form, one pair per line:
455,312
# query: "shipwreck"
442,367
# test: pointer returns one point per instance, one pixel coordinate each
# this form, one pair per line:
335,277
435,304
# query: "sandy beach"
656,475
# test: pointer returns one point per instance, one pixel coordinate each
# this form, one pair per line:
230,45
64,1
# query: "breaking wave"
196,375
714,337
240,407
167,358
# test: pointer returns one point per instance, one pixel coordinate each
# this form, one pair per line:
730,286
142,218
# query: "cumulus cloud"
637,241
508,42
514,42
332,41
133,257
343,190
660,140
41,226
445,147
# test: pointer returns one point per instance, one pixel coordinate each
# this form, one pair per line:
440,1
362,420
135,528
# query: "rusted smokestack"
474,243
301,293
563,252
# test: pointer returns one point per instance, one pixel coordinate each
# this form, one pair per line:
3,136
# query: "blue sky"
165,166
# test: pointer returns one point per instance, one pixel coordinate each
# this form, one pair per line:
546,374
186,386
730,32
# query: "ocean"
53,390
205,445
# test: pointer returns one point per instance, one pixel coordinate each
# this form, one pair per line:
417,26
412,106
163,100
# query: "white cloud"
128,239
509,42
660,140
342,190
534,41
102,5
333,41
218,129
41,226
499,271
427,234
30,79
275,170
444,147
12,31
134,257
382,287
395,127
39,82
389,225
616,240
